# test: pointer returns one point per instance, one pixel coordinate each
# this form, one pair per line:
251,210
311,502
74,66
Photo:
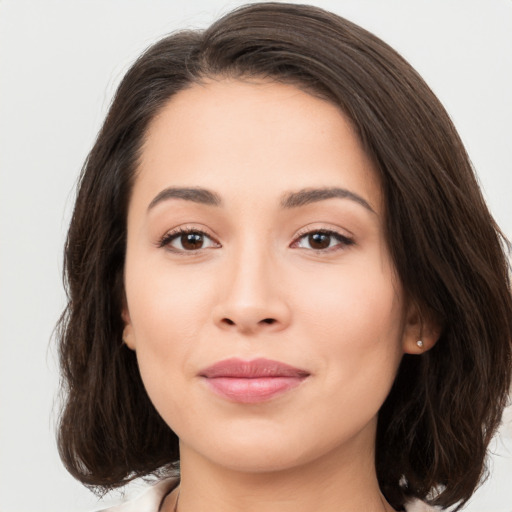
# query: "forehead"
247,135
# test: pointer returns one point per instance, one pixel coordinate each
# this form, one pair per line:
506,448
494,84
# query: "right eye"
187,240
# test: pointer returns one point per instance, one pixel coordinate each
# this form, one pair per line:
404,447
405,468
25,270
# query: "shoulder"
149,500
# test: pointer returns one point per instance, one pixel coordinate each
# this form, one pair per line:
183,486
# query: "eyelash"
344,241
165,241
169,237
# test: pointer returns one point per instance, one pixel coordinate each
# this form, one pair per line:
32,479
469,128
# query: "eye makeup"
192,240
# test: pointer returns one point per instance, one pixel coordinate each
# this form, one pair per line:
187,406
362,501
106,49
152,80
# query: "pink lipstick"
253,381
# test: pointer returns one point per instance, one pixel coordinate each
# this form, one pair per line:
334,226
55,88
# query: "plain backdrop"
60,62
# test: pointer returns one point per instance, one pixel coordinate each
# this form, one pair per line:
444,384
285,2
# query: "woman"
283,276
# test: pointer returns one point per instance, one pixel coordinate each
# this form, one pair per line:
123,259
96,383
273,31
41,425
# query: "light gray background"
60,62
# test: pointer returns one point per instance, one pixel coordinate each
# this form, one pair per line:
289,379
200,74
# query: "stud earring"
419,343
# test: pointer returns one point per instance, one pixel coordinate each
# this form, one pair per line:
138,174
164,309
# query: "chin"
266,448
261,459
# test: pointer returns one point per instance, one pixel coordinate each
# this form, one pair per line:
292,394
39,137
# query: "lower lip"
250,391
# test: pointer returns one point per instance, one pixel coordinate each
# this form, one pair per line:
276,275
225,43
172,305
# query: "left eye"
322,240
187,241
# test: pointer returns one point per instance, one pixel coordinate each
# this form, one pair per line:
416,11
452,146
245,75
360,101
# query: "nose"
252,298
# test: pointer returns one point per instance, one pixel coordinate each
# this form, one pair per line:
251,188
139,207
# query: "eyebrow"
289,201
313,195
196,195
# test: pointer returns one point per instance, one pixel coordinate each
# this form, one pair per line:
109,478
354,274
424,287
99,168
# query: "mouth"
253,381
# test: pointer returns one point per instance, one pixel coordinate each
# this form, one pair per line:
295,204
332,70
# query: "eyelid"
344,240
172,234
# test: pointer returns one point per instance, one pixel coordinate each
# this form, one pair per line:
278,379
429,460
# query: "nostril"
269,321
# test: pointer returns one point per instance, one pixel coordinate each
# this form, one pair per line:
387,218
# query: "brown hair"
445,405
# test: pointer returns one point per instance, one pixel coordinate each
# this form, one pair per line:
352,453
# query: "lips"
252,381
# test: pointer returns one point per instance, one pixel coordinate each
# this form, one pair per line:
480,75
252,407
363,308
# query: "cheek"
355,317
362,301
354,324
167,311
166,304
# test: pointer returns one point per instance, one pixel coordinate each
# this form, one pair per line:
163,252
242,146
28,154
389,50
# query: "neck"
344,480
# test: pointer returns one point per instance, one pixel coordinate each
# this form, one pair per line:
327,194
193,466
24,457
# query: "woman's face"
261,299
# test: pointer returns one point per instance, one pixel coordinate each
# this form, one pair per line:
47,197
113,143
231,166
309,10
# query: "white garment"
151,499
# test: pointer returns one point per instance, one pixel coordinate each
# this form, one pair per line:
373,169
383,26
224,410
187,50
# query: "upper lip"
256,368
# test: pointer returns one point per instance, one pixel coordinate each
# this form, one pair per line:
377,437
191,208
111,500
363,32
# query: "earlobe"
128,336
420,333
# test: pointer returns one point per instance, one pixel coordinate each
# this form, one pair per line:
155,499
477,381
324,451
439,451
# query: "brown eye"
323,240
319,240
184,240
192,241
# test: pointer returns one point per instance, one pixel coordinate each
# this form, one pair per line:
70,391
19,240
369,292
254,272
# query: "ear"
421,331
128,335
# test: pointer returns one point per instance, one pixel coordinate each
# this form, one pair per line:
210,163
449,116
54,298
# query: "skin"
338,313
